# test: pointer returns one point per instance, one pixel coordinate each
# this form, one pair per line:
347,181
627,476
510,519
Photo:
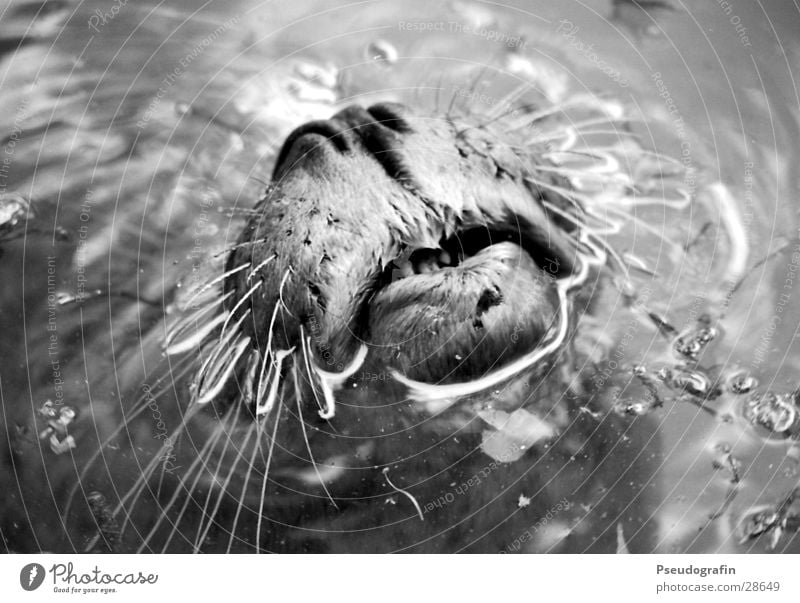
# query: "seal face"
385,360
417,237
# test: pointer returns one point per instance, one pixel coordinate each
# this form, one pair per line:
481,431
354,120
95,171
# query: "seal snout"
376,130
412,235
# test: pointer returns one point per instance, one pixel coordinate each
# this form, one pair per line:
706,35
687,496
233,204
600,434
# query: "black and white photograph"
331,280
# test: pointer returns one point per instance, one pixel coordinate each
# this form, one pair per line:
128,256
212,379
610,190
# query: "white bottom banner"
118,578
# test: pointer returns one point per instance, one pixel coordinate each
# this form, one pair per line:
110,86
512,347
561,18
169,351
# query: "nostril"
391,116
331,129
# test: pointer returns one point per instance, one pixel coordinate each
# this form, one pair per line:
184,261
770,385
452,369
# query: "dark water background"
99,134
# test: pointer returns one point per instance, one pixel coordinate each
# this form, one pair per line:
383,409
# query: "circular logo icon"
31,576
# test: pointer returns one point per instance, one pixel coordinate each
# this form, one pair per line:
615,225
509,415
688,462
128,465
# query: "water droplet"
742,383
775,412
690,344
692,382
383,51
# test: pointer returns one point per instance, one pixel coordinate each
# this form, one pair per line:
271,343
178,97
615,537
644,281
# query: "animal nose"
385,115
377,129
380,131
334,130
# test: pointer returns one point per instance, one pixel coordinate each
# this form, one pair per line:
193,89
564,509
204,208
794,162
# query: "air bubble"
382,51
742,383
774,412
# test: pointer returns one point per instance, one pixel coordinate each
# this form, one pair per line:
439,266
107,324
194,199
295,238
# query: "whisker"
138,409
266,406
448,114
305,344
192,317
673,204
266,469
144,473
212,482
404,493
620,135
611,227
577,127
260,266
239,304
644,225
218,279
305,437
329,382
530,118
198,464
564,192
223,490
438,91
499,110
218,383
267,353
258,426
194,341
280,293
610,163
617,178
227,250
247,393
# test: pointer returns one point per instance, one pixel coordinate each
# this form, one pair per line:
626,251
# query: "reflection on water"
136,121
